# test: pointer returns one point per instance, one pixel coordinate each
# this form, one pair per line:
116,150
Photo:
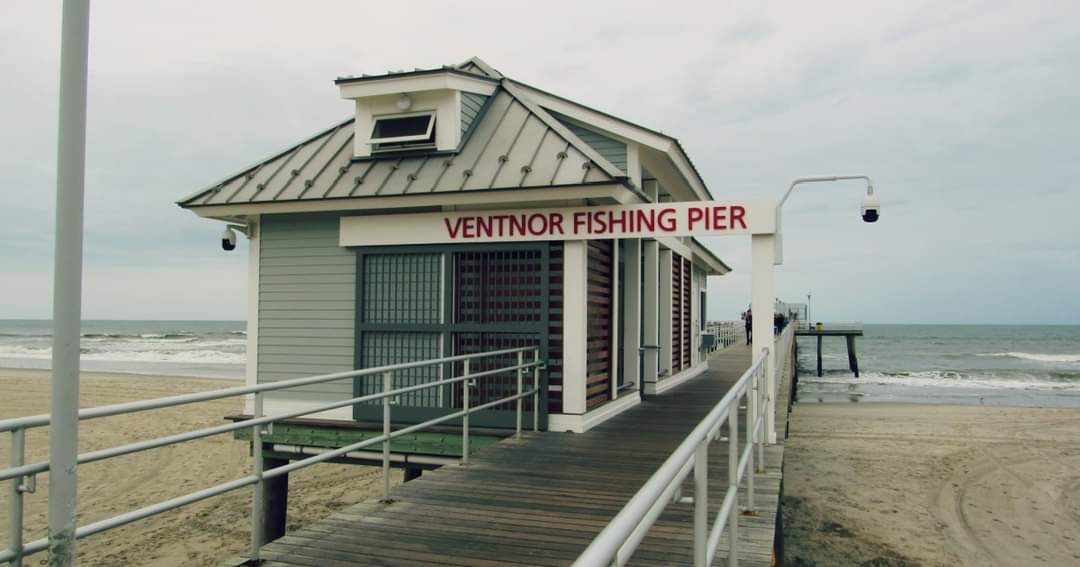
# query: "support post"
733,485
666,294
465,418
15,497
276,496
258,499
650,315
701,504
412,473
631,322
819,356
67,282
575,326
763,296
750,468
536,389
852,357
520,402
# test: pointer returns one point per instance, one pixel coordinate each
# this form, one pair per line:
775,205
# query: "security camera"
228,239
871,208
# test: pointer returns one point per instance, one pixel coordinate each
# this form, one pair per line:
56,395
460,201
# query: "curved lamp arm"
779,246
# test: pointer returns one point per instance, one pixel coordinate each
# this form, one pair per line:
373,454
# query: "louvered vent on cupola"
414,112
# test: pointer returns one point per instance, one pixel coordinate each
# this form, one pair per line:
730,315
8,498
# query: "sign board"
697,218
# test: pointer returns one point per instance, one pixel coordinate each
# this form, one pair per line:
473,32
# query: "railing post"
750,470
536,389
465,418
520,377
733,487
701,504
15,503
258,500
388,384
759,432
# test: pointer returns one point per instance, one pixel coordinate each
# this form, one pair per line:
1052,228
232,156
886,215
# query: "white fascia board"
589,117
395,85
624,130
676,245
613,192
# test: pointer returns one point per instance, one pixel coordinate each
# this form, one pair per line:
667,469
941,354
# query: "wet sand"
902,484
203,533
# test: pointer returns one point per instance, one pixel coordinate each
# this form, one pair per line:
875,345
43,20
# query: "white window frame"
413,138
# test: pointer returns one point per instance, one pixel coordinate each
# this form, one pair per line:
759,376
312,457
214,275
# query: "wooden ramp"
541,500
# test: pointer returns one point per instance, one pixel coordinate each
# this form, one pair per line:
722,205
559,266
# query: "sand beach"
881,484
200,534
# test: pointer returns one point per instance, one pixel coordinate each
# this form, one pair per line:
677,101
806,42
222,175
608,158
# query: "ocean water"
1030,365
212,349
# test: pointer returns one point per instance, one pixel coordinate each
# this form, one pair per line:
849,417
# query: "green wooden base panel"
422,443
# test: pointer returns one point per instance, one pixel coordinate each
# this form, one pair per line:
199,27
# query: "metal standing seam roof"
513,143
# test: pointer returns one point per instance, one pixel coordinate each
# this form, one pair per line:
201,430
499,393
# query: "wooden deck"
541,500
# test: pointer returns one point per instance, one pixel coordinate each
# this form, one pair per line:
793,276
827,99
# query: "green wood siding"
307,291
471,103
611,149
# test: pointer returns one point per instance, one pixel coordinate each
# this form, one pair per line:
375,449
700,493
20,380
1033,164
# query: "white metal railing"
618,540
829,325
24,480
727,333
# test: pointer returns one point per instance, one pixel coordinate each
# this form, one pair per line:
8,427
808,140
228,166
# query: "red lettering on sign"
646,220
667,220
452,230
694,216
556,223
737,214
581,218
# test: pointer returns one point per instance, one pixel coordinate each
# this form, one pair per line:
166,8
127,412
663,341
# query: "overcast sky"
965,114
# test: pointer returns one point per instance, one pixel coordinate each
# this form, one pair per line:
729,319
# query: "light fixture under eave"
404,102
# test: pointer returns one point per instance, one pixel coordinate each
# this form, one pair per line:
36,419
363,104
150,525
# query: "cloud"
964,113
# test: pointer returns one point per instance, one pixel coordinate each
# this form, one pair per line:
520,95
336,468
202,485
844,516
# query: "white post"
67,282
632,321
520,379
258,497
701,504
575,325
388,384
613,343
650,317
465,408
665,319
763,296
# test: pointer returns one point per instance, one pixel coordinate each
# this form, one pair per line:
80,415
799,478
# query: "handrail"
183,399
24,479
618,540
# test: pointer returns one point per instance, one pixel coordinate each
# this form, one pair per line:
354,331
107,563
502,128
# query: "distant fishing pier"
821,330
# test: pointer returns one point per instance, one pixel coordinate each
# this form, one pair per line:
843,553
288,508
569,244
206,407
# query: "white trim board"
570,423
604,193
655,388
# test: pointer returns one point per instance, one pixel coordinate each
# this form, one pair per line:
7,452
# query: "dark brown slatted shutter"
600,283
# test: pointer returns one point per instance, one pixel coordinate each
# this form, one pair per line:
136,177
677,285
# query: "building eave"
717,267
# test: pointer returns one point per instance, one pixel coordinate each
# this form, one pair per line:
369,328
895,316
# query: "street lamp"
870,210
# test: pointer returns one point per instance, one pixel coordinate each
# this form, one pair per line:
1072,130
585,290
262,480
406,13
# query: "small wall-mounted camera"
871,208
228,239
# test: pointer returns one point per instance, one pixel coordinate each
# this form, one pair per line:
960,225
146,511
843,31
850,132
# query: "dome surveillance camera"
871,208
228,239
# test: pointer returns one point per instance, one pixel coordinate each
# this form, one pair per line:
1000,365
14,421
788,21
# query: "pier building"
430,224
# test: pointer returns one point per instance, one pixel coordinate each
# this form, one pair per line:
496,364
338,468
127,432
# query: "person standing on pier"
748,318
